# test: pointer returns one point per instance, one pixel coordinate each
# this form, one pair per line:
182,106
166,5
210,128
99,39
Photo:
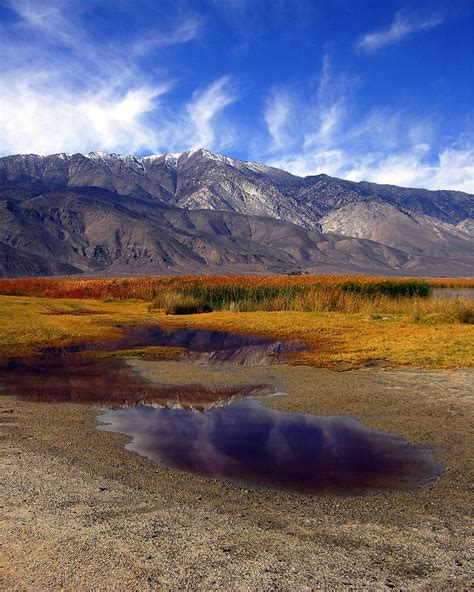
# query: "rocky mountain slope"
107,213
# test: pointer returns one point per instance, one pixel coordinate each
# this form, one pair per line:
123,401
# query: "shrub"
465,314
184,309
177,303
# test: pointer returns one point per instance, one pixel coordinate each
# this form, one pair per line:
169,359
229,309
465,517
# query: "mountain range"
197,212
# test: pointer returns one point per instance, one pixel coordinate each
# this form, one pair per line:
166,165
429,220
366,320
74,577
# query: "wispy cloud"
329,118
403,25
385,146
279,114
111,118
205,106
329,108
40,115
47,17
92,96
310,118
452,168
184,32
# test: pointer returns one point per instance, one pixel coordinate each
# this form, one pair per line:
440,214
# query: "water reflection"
246,441
199,345
108,383
233,436
453,293
63,374
215,347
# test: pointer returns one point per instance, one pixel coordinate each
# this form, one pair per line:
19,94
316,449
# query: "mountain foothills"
101,213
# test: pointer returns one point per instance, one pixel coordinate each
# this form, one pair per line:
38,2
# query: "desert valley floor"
82,512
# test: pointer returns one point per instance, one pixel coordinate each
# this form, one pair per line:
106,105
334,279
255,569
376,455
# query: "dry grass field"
345,321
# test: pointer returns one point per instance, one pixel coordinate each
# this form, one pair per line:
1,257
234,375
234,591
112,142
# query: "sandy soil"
79,512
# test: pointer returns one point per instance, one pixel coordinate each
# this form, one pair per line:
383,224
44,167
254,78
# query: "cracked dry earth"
80,512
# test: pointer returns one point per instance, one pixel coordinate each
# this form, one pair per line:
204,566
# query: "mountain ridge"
183,201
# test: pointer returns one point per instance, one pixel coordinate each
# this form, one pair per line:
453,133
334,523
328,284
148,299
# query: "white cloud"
61,21
404,24
310,118
186,31
329,119
326,116
455,170
408,168
47,17
385,146
381,127
203,110
40,116
452,169
310,162
278,115
62,92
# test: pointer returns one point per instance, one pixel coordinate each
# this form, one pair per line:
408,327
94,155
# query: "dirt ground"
79,512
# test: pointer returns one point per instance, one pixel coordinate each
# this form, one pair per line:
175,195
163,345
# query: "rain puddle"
219,432
107,383
250,443
63,375
217,347
199,345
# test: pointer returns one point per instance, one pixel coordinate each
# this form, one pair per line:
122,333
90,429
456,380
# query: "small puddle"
107,383
199,345
63,375
223,432
250,443
215,347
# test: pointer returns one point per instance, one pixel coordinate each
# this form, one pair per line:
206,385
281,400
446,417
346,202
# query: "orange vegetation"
146,288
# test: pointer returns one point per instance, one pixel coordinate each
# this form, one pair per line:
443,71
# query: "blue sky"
376,90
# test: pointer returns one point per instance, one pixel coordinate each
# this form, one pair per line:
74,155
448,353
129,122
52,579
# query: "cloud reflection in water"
248,442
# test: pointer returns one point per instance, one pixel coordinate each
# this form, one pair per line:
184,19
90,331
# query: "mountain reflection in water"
248,442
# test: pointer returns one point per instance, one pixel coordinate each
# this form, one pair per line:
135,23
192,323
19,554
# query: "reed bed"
146,288
333,299
197,294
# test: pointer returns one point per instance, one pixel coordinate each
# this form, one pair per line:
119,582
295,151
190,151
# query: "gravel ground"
79,512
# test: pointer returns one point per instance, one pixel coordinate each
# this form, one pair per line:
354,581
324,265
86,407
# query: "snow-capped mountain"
106,212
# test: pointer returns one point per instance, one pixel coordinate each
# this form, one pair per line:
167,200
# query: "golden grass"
161,352
347,341
335,339
329,299
28,324
452,283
